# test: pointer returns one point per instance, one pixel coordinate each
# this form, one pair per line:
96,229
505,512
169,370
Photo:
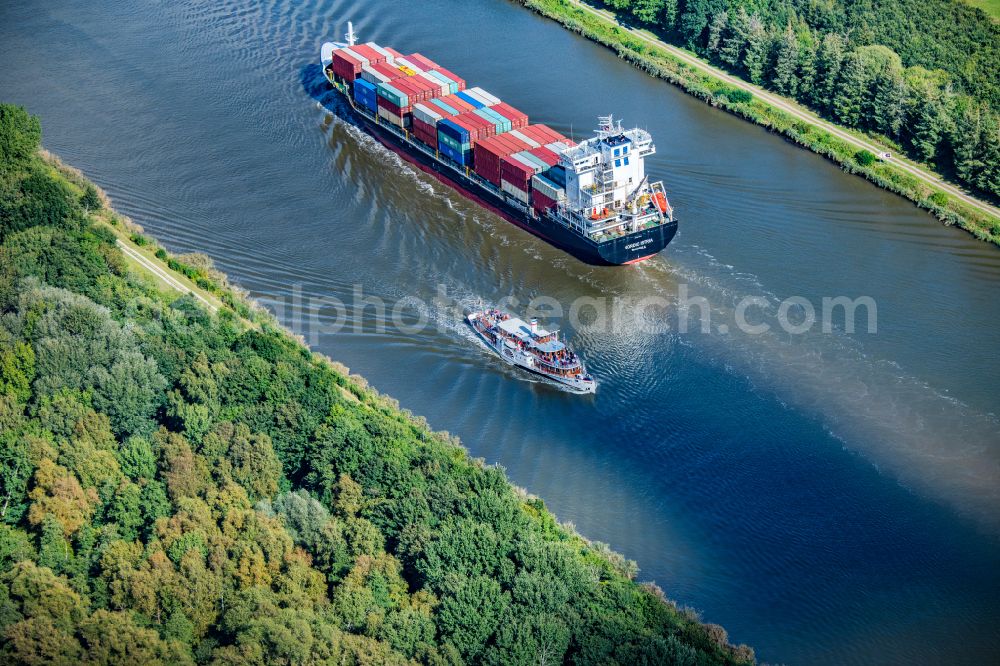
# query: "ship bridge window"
626,161
618,151
618,163
625,150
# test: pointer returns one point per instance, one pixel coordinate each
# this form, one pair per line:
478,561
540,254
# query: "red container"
456,102
366,51
428,89
454,77
516,173
479,128
517,118
346,66
488,153
537,135
393,52
425,132
405,84
424,63
545,155
388,70
544,134
400,111
541,202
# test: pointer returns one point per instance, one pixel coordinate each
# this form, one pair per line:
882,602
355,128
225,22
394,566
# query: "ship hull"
629,249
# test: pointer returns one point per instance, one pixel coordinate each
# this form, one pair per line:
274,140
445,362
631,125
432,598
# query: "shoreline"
650,55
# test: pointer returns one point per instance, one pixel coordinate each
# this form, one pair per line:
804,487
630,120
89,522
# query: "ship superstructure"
607,190
592,199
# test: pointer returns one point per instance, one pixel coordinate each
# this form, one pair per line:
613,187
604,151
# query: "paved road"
794,110
163,274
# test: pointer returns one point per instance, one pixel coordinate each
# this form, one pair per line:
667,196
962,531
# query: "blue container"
364,94
476,104
453,130
462,157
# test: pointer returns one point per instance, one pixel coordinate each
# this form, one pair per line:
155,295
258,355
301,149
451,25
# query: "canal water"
828,497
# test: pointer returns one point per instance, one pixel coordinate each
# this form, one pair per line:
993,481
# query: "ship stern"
638,246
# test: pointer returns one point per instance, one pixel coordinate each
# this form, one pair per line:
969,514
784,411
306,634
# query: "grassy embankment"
659,62
991,7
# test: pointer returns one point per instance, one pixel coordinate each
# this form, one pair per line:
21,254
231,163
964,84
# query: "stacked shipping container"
467,125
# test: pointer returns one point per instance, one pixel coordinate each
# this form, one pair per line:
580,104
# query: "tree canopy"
923,73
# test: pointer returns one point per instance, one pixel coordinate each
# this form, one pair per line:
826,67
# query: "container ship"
592,199
532,348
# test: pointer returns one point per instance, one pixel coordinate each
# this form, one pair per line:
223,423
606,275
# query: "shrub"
90,200
161,254
739,96
864,157
139,240
20,133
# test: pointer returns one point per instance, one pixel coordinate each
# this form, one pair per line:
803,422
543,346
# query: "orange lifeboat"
660,199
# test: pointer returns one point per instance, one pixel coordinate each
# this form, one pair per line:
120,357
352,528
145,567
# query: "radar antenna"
350,37
607,126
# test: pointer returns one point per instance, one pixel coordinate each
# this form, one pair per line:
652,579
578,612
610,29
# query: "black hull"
625,250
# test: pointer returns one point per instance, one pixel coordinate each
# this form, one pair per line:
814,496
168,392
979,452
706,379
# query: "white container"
479,97
441,86
391,117
557,147
490,100
426,113
520,195
408,63
545,186
529,160
373,77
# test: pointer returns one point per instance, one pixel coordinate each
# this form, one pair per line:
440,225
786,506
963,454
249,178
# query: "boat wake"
931,442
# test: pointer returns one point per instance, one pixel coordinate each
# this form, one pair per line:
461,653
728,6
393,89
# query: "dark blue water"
828,498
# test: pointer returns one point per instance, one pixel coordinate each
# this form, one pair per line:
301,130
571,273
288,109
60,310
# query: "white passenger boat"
536,350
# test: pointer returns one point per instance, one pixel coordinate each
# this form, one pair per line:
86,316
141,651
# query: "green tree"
20,134
848,102
90,199
694,19
735,39
716,29
471,610
17,370
829,63
807,66
785,74
890,101
755,56
652,11
15,545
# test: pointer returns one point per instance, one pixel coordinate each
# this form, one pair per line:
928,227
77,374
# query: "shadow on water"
316,85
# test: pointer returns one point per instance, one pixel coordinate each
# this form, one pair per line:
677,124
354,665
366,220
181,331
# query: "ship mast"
350,37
